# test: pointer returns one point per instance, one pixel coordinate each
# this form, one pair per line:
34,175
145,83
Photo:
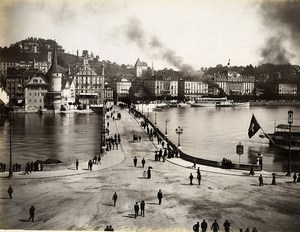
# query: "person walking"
295,177
136,210
31,213
10,191
298,180
191,179
261,181
199,178
196,227
204,226
159,196
142,208
215,226
226,225
135,161
273,178
251,171
143,162
149,173
77,164
115,197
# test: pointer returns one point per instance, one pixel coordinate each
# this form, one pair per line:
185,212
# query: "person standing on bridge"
143,162
204,226
115,197
159,196
77,164
191,179
215,226
135,161
31,213
10,191
261,181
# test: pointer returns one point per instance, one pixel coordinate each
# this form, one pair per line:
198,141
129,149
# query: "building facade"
121,88
191,88
140,67
159,86
35,92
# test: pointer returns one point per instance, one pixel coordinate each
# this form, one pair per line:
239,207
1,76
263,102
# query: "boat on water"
161,105
207,101
97,108
175,103
216,102
280,137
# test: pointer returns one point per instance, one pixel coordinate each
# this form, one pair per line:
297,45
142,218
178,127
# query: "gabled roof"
140,63
65,80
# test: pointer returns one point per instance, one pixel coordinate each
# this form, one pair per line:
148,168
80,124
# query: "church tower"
55,82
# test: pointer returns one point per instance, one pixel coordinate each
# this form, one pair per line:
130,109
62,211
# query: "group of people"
215,227
109,228
91,162
191,177
138,207
112,142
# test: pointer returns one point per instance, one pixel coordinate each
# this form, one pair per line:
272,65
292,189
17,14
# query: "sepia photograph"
150,115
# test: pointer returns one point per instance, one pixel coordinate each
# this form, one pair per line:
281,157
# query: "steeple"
54,66
103,69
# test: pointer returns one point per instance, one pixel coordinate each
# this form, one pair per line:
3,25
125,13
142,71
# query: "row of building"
83,82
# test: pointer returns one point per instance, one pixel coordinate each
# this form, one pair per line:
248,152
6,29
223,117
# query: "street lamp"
166,131
290,122
155,119
179,131
10,171
148,112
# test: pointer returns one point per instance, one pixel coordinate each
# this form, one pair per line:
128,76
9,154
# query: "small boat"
173,103
280,137
231,103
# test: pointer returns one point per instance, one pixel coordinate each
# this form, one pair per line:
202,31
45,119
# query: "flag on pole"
254,127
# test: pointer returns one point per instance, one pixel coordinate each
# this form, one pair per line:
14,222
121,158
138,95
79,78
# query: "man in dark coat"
77,164
136,210
143,162
149,173
261,181
135,161
31,213
215,226
10,191
115,197
196,227
295,177
143,208
204,226
191,179
226,225
159,196
199,178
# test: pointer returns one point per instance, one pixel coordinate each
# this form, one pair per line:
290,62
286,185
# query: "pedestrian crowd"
215,227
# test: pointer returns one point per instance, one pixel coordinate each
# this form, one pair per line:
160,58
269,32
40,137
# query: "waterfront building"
35,91
68,93
88,79
108,94
235,84
140,67
192,88
159,86
121,88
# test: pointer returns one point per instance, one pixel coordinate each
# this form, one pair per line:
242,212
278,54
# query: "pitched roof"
140,63
55,68
65,80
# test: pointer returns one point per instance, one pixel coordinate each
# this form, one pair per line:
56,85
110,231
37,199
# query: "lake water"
210,133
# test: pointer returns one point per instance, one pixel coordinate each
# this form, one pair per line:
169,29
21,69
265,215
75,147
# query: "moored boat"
280,137
207,101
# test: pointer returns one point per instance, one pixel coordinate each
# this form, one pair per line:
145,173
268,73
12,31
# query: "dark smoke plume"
282,17
154,46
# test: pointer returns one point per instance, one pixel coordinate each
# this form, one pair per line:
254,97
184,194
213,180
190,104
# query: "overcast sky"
168,33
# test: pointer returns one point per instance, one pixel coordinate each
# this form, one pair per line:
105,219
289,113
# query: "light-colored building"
87,79
140,67
35,92
191,88
68,93
287,89
158,86
121,88
235,84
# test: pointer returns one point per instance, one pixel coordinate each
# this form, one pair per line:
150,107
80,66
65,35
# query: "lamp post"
166,131
155,119
290,122
179,131
10,171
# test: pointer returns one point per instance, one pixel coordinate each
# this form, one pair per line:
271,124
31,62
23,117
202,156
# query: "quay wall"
190,158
